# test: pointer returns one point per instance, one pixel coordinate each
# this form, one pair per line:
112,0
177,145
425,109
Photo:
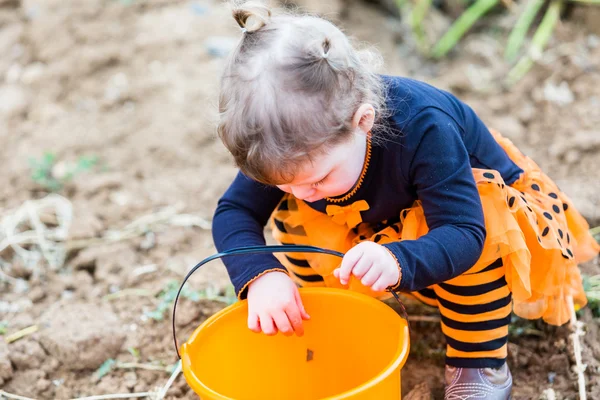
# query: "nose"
302,192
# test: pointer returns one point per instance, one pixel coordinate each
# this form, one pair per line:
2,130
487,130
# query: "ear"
364,118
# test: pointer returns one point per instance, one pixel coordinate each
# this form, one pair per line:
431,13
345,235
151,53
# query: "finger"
383,283
348,262
293,315
363,266
303,312
253,323
282,322
266,324
336,273
371,276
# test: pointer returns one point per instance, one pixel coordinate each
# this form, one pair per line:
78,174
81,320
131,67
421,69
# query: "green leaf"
517,36
134,352
105,368
157,315
540,39
461,26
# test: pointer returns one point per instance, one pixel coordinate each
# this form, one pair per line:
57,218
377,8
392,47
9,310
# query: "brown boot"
478,383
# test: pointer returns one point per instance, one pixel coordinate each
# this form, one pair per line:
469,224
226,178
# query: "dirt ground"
133,83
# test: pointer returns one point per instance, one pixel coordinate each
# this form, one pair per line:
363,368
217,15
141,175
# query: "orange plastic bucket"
354,347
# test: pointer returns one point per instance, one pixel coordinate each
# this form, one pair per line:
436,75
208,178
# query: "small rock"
67,295
6,370
63,392
27,354
572,156
19,270
526,112
10,3
117,88
81,335
498,104
86,225
49,366
175,392
419,392
91,185
187,312
14,73
110,264
83,280
121,198
509,126
21,286
42,385
548,394
559,94
14,101
130,379
23,382
33,73
110,384
37,294
583,141
12,34
21,321
86,259
558,363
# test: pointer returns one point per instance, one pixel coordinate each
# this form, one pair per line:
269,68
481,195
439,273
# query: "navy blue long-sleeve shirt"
432,142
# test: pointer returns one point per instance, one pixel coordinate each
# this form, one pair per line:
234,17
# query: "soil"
134,84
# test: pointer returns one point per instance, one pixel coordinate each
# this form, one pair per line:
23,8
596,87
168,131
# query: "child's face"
330,174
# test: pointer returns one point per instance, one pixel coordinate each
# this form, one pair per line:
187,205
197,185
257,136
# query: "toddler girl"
403,178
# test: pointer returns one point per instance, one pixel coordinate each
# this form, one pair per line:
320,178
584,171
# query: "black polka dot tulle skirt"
532,227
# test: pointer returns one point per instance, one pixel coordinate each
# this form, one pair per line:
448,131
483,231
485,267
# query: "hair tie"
244,30
325,55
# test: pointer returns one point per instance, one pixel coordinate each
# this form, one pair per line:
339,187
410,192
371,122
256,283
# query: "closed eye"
322,181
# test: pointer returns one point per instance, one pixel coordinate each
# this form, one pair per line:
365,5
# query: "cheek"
284,188
340,186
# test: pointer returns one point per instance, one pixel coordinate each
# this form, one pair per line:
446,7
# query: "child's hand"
274,304
370,262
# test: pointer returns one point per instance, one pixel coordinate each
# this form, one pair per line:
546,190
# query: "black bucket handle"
263,249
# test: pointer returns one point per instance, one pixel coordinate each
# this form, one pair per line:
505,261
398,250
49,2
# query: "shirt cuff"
243,291
397,285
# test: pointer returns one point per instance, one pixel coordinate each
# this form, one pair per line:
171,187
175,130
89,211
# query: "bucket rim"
397,362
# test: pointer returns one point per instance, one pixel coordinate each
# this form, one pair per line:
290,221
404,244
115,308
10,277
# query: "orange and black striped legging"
475,312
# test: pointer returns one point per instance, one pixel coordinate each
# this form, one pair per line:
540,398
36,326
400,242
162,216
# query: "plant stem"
21,334
416,21
539,41
517,36
461,26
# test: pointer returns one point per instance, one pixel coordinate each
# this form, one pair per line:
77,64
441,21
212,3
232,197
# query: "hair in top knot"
290,89
251,16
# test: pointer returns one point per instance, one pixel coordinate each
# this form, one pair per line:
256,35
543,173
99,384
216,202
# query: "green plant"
3,327
416,12
591,286
167,297
134,352
105,368
523,327
43,170
461,26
